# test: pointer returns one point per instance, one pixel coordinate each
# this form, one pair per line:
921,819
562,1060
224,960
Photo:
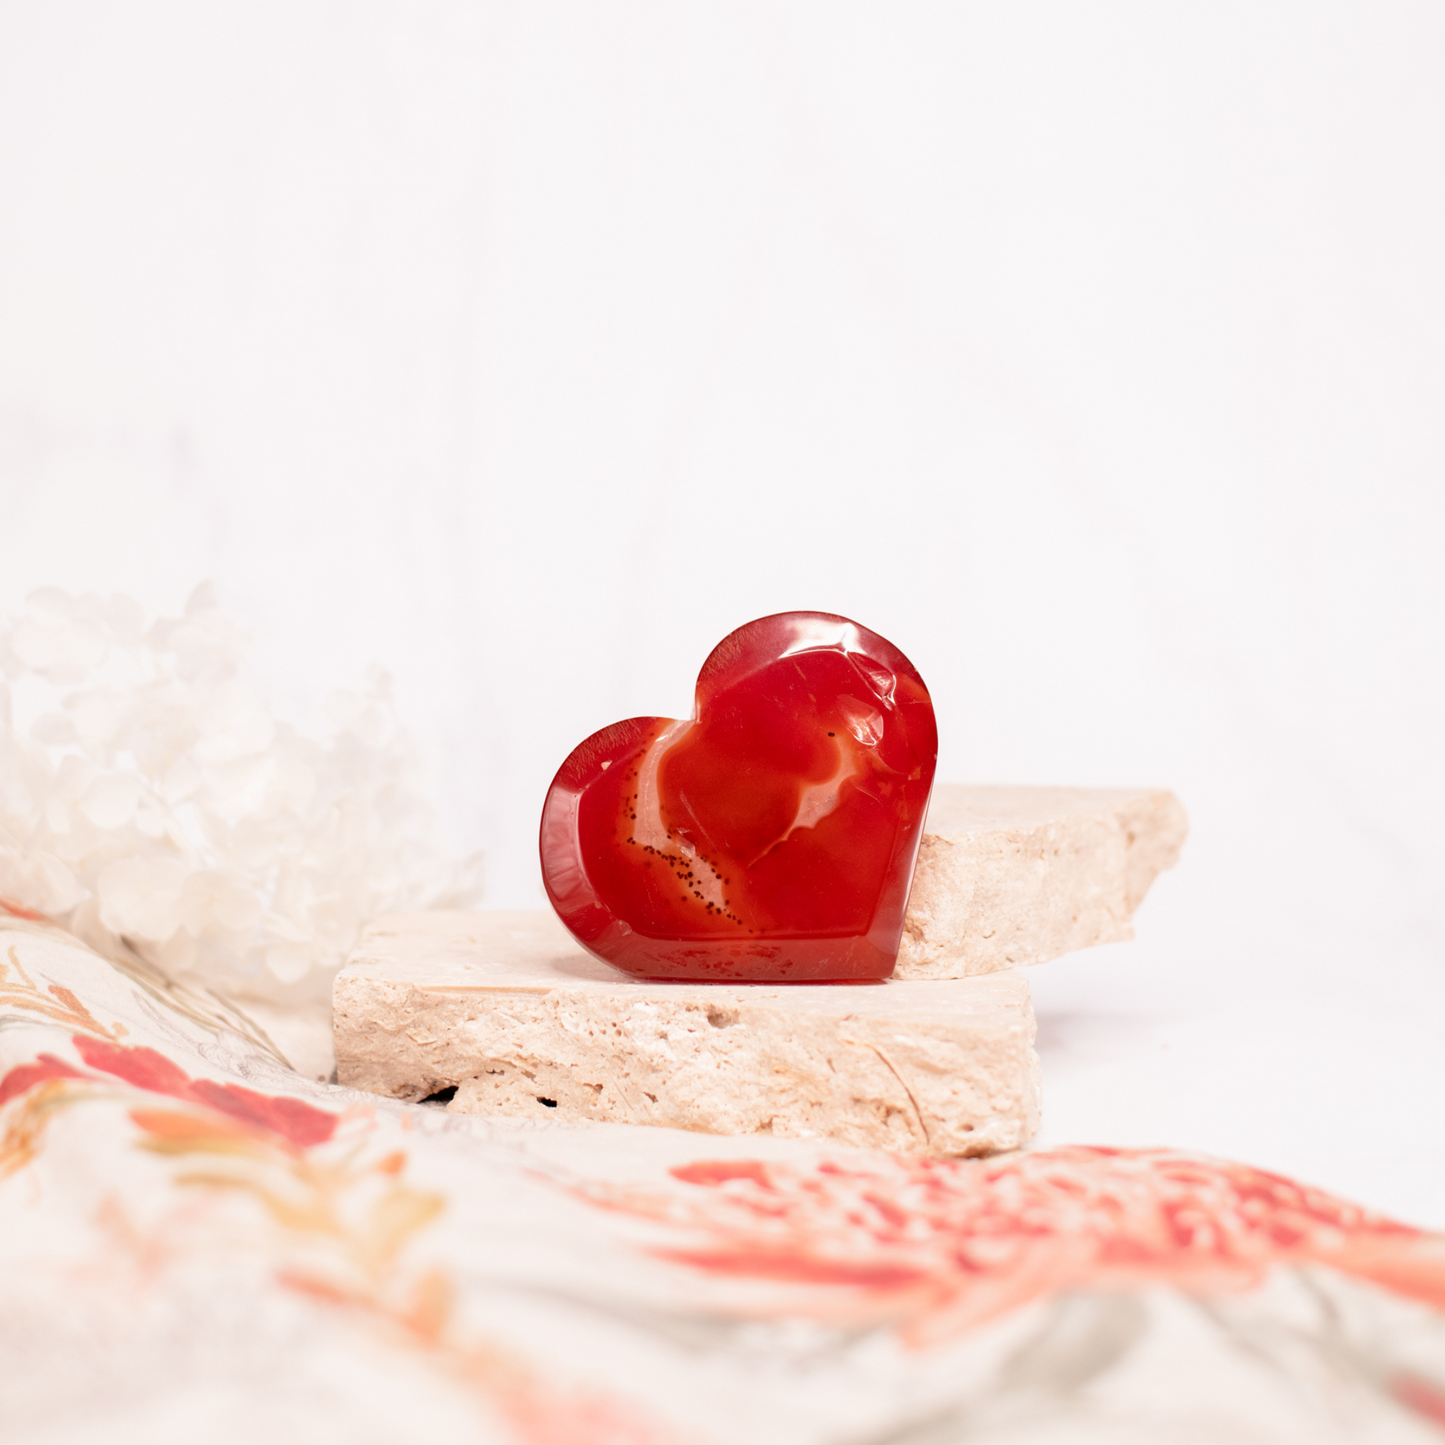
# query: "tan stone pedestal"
512,1013
507,1007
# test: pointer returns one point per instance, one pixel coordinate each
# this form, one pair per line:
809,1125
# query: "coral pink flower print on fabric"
298,1123
24,1077
942,1246
16,911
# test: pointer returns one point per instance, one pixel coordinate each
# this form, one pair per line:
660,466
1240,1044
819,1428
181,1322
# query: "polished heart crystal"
769,837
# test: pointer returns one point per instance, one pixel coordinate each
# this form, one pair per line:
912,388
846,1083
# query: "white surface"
1338,1085
1092,354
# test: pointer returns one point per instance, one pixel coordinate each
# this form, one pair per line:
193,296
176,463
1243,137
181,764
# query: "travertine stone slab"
509,1009
1013,875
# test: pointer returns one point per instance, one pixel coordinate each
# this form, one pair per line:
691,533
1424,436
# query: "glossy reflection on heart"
769,837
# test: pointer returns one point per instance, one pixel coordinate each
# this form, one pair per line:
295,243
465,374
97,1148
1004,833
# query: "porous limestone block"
509,1009
1013,875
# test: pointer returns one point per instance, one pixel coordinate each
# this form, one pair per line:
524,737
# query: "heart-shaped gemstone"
769,837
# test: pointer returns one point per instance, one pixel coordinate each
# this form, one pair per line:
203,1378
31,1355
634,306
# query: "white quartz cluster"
151,801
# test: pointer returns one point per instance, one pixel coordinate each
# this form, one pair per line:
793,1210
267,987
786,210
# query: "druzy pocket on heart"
769,837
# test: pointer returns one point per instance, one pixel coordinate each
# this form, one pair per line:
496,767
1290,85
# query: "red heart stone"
769,837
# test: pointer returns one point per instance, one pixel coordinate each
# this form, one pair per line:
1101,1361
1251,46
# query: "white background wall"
1093,354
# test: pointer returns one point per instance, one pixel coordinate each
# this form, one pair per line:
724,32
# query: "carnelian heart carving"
769,837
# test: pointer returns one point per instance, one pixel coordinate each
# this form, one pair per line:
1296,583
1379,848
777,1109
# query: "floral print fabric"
197,1243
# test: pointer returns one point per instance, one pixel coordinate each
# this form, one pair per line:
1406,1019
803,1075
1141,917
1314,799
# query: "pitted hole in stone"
721,1018
442,1096
546,1103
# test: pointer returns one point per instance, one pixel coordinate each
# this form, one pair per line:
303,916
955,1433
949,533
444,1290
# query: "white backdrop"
1092,354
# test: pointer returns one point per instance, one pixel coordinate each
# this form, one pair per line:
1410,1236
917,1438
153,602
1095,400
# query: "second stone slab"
1017,875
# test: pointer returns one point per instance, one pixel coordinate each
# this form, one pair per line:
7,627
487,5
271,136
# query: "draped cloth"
197,1243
